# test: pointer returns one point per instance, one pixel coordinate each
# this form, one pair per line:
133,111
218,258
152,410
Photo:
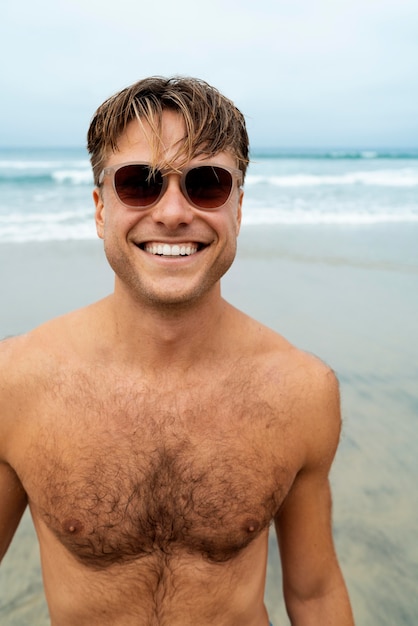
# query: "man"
157,433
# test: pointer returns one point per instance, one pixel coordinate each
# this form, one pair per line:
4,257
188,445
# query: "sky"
305,73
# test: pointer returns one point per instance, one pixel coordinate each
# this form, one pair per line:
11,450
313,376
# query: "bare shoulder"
15,382
47,342
24,360
302,386
27,353
314,389
319,408
29,362
15,358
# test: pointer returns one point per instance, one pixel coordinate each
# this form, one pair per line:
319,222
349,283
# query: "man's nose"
173,209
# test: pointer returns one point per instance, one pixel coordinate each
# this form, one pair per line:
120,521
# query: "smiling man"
158,433
169,233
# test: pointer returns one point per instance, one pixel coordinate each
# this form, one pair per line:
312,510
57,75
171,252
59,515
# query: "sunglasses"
139,186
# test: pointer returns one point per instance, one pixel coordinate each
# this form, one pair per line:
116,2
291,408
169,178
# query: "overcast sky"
306,73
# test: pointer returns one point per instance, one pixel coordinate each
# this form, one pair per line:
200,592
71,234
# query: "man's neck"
154,336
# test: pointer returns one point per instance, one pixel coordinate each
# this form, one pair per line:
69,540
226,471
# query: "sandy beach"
349,295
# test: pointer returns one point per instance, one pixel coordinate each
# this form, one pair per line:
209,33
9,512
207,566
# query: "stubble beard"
142,292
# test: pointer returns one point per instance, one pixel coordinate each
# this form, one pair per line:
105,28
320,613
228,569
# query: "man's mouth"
177,249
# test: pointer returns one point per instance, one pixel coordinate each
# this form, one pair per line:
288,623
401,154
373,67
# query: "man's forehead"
164,143
156,134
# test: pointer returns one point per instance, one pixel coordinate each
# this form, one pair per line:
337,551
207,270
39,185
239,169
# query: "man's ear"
239,210
99,213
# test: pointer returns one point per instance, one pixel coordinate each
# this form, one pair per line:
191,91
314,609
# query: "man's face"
202,244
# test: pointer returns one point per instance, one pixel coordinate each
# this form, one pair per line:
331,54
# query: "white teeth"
167,250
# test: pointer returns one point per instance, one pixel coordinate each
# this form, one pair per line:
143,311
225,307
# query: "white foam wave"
76,177
363,154
43,218
67,226
380,178
53,231
48,226
263,217
47,165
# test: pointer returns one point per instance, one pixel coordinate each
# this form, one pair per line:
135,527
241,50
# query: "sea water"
45,194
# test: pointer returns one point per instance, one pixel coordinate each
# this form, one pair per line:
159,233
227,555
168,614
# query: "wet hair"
212,121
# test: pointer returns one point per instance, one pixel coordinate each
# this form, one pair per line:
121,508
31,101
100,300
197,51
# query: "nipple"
252,526
72,526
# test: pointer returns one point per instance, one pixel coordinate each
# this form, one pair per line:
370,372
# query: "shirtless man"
156,434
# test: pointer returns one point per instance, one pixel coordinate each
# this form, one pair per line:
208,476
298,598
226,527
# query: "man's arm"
12,505
13,499
314,589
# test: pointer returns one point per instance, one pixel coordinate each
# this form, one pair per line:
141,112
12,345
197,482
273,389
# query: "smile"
165,249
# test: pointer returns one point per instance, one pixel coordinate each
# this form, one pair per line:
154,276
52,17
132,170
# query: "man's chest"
122,474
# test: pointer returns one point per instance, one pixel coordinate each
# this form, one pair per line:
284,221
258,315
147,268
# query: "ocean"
328,256
45,194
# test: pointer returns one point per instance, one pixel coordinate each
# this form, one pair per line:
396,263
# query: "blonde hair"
213,123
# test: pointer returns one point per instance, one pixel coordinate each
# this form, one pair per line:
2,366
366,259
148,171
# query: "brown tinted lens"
137,186
208,187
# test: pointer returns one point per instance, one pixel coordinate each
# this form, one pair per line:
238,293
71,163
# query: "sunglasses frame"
236,175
